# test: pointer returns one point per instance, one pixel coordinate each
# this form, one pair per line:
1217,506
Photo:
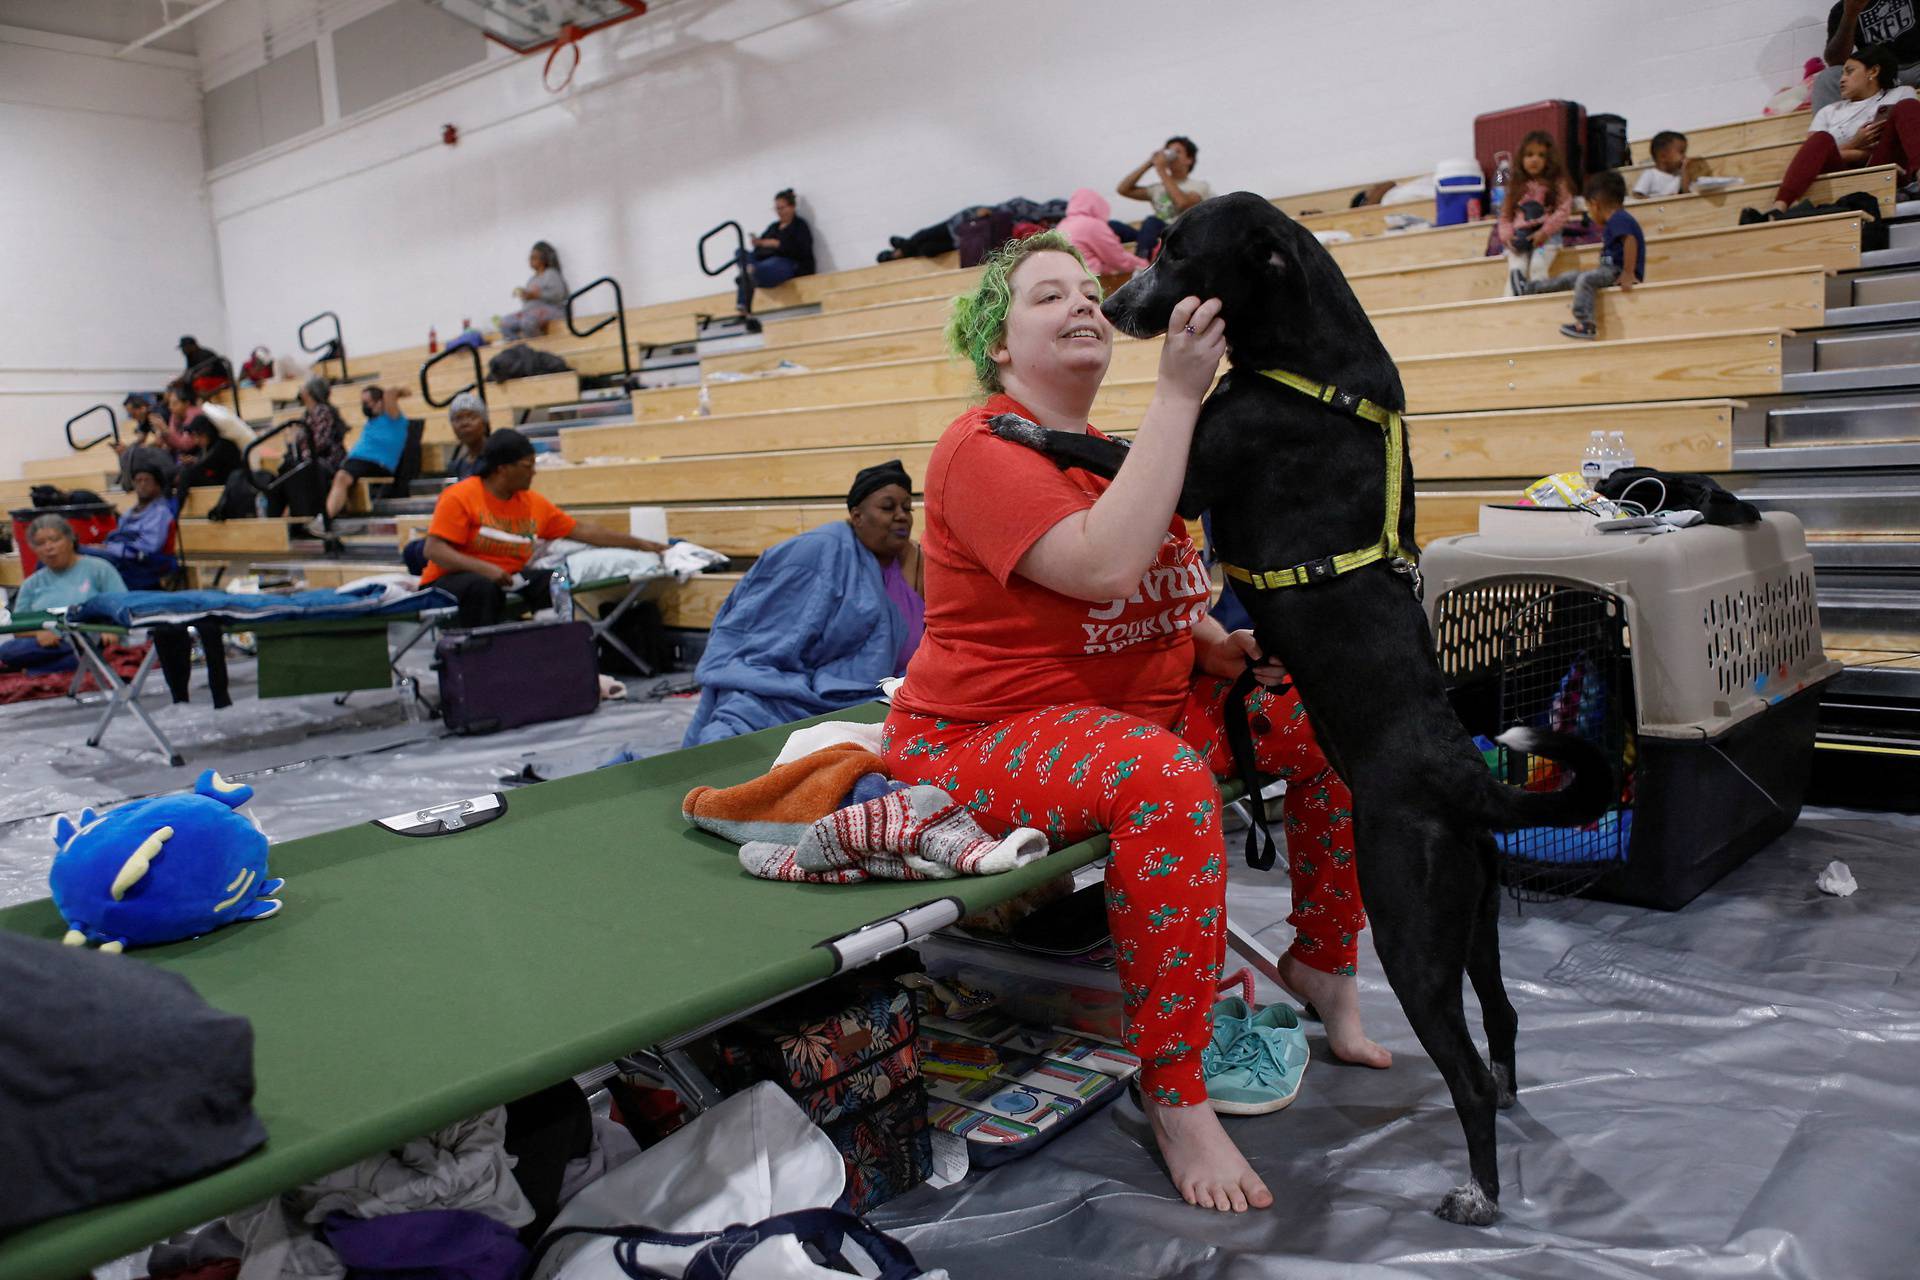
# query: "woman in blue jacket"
819,620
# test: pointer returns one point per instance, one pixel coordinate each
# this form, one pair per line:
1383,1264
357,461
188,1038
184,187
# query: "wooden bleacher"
1496,397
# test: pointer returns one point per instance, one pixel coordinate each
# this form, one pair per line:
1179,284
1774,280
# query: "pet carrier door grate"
1565,667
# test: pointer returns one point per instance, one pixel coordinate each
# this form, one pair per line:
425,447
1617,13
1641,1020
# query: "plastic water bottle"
433,340
1502,176
706,401
409,690
562,588
1620,453
1593,462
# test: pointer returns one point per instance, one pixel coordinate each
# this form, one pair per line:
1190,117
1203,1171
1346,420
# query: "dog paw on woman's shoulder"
1011,426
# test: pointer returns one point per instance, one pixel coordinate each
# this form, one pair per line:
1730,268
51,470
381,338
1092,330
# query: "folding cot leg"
1250,949
603,627
124,693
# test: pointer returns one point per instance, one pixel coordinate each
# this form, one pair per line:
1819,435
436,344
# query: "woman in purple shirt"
880,509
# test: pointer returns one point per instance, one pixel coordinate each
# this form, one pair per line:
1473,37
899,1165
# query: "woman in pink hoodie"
1086,225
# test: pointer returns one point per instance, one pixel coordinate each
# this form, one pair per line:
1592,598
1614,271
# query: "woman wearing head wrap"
880,510
819,620
543,297
1071,677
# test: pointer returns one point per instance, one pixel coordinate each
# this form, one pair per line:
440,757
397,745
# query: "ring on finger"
1188,330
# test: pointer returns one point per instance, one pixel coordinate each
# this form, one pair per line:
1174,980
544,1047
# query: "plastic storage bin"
1693,657
1075,994
1457,184
91,521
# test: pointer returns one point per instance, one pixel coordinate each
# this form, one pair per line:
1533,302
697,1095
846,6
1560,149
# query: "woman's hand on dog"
1196,340
1228,656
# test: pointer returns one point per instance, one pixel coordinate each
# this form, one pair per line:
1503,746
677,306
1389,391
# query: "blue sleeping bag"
808,630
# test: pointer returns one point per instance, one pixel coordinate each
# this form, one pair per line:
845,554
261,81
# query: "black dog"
1291,479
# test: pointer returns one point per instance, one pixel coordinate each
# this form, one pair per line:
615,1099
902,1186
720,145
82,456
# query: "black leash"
1260,851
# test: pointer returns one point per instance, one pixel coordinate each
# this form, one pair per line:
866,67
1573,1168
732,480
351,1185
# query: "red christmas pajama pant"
1072,771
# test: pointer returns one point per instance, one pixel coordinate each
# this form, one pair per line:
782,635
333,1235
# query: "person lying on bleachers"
471,426
376,454
148,445
1176,192
942,237
819,620
1876,121
483,533
138,547
64,578
543,297
781,252
1087,225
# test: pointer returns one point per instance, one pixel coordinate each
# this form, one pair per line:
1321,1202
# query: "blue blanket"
808,630
142,608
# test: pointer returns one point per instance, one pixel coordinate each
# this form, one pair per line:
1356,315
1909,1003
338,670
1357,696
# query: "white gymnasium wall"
888,114
103,213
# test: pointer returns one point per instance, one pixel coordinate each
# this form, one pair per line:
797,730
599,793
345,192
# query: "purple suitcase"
494,678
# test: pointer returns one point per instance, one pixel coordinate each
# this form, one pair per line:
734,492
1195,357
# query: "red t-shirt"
998,645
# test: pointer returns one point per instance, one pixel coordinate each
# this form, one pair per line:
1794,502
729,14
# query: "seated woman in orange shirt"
484,529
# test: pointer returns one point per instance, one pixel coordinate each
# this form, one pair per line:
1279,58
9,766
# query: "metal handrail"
335,348
619,316
479,383
740,247
246,458
113,428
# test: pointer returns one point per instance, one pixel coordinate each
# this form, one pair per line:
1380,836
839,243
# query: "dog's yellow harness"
1388,547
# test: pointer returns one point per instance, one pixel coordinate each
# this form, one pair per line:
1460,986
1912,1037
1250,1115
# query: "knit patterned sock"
776,862
915,834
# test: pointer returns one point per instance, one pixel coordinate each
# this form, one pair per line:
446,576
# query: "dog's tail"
1581,799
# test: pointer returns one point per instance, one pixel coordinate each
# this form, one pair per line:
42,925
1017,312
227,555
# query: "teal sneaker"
1255,1062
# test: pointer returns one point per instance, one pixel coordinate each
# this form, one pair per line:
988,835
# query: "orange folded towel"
780,805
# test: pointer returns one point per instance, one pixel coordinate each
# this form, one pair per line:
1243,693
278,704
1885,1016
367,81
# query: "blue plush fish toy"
162,869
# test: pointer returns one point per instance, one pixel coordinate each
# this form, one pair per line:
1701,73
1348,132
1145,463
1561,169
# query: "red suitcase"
1564,122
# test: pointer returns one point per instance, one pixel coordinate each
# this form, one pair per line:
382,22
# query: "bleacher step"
1883,502
1866,379
1892,283
1845,558
1825,351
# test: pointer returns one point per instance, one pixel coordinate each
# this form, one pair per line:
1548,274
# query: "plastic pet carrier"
1692,658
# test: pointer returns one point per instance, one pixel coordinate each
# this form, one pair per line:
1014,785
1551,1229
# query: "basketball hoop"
567,43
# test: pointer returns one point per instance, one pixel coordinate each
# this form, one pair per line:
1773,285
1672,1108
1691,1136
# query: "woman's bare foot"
1337,1000
1208,1170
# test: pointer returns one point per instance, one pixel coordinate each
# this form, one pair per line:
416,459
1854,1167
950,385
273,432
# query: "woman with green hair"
1071,679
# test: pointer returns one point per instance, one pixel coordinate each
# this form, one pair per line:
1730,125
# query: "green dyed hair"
978,322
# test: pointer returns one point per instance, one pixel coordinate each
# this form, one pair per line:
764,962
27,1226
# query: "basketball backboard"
526,26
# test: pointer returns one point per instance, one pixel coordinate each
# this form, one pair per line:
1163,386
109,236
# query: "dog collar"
1388,547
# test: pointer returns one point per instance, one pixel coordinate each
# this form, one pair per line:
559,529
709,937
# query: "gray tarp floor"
1731,1090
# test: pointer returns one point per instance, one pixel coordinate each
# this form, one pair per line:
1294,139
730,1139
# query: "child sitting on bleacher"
1671,173
1623,254
1538,204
